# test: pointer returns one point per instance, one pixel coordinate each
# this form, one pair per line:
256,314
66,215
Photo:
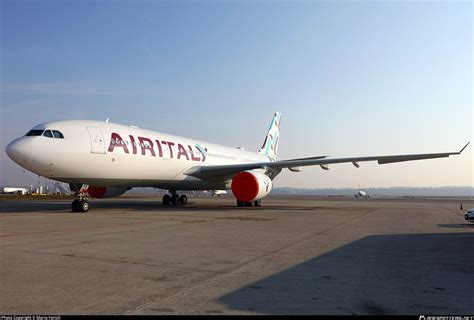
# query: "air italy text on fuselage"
147,145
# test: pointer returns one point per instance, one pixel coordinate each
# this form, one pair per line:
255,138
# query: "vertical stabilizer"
270,145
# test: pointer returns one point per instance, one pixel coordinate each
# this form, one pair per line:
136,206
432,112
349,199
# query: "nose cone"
19,150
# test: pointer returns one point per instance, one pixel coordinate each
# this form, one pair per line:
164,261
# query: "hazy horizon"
442,191
351,79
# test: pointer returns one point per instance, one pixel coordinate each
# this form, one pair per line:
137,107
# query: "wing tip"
464,147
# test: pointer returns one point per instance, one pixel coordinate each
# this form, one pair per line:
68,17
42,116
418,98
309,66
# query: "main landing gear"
174,199
81,204
257,203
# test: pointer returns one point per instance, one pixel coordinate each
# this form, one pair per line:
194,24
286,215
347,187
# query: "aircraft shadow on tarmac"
379,274
149,205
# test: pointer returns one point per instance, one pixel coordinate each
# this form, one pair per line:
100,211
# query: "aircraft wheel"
240,203
166,200
248,204
258,203
183,199
174,199
83,206
75,206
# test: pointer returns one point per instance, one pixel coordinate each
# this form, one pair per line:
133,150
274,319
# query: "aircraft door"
97,140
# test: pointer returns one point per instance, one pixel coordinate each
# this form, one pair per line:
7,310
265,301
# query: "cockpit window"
48,134
34,133
57,134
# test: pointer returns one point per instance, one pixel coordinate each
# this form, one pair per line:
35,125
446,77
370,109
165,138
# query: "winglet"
464,147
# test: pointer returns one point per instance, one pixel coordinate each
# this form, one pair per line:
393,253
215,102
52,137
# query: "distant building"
13,190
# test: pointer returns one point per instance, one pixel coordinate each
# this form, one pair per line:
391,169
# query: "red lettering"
160,149
134,145
191,151
182,151
146,144
170,144
116,141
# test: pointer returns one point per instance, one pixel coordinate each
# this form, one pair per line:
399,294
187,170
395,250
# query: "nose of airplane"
19,150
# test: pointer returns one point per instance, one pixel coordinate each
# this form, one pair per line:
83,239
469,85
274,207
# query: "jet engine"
249,186
106,192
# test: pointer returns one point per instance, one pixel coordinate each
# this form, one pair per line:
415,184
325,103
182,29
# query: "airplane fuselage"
105,154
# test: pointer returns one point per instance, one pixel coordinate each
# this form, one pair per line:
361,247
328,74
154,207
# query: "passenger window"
57,134
48,134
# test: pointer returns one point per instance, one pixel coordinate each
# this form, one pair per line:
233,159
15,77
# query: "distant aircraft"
103,159
361,194
215,193
218,193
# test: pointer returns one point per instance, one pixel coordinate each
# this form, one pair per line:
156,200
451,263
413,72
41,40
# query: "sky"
351,78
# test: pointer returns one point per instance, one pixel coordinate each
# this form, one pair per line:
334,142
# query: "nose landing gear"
81,204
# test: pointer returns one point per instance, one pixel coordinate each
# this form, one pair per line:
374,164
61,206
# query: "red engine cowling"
249,186
105,192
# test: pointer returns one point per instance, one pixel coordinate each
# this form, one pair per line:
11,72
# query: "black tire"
258,203
83,206
166,200
75,206
240,203
174,199
183,199
248,204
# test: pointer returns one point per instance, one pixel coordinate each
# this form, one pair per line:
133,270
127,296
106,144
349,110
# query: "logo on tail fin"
270,145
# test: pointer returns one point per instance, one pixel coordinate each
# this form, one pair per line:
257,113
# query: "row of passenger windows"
47,133
221,156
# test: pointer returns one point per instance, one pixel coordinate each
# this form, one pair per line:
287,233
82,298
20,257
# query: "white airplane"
103,159
218,193
215,193
361,194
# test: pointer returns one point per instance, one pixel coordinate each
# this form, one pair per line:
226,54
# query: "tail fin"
270,145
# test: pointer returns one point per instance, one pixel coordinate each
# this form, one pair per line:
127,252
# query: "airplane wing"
227,171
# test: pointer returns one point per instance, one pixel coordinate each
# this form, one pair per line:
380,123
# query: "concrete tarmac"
302,255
